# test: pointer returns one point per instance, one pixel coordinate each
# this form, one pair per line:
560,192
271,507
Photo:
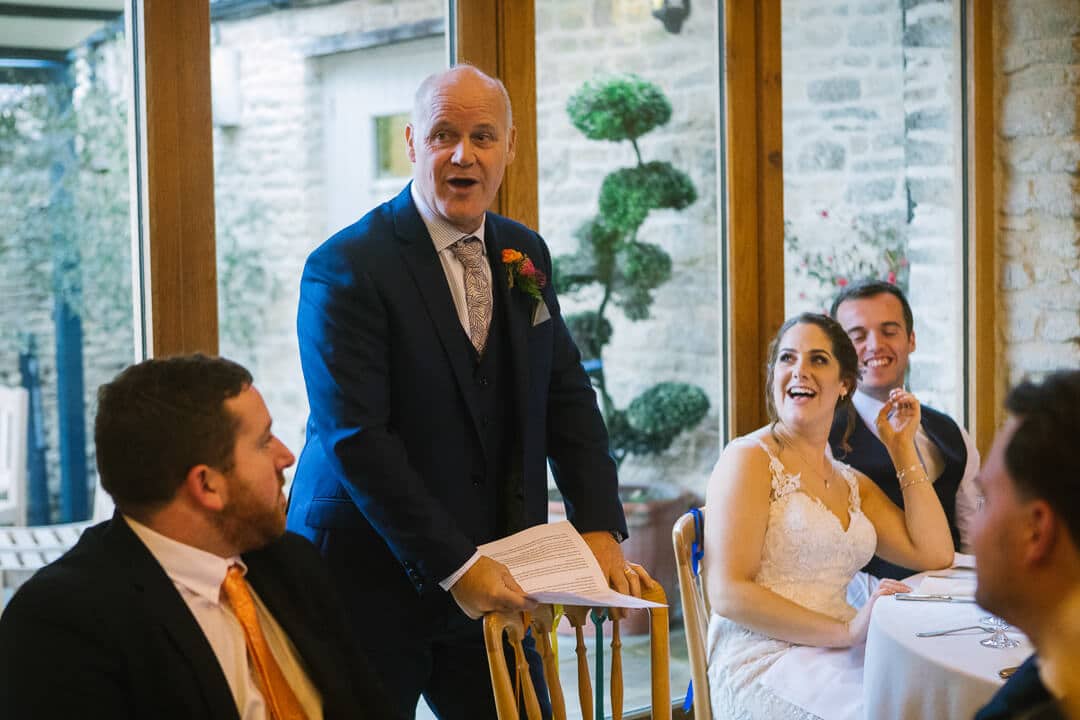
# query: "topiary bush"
626,269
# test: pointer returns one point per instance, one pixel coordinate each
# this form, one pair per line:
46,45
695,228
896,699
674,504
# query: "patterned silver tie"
470,253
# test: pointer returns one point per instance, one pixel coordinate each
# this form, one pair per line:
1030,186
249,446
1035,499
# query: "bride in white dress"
788,526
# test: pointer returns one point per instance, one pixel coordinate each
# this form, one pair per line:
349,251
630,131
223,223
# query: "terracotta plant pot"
651,512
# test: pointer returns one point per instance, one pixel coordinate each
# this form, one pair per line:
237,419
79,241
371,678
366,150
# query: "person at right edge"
878,319
1026,539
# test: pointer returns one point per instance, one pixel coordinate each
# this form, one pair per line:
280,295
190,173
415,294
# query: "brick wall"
1037,83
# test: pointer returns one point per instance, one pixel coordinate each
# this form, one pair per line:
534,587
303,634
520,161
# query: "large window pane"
627,143
309,105
65,250
871,176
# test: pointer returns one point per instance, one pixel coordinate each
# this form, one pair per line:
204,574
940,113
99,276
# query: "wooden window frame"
175,173
985,390
499,37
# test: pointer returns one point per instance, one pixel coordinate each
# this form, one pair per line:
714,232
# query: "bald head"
460,141
459,76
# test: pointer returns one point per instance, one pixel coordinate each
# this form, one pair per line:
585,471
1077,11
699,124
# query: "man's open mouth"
462,183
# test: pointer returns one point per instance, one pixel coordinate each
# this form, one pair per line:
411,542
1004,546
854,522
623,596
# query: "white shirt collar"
197,570
868,409
443,234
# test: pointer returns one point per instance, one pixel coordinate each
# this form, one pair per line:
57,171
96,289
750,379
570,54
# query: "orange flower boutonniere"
521,273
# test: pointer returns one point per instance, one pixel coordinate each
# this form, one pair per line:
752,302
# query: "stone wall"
1037,85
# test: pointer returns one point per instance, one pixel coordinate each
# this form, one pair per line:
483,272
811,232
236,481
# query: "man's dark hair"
846,357
158,419
872,288
1041,455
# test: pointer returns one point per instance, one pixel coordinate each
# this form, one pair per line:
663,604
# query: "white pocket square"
540,313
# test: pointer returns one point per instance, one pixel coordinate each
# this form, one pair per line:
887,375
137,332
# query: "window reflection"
65,249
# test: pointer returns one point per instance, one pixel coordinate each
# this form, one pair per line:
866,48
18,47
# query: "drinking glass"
998,639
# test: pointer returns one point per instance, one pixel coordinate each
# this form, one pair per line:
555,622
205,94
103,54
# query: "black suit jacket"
383,484
103,633
869,456
1023,696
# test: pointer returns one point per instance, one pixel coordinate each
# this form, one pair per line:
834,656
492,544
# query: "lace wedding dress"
809,559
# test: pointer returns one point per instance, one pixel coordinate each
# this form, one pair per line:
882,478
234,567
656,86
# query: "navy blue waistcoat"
496,438
869,455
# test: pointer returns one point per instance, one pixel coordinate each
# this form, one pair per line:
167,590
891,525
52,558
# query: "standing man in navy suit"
1027,545
439,391
878,319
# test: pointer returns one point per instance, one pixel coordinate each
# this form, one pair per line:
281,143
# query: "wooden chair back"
688,536
513,625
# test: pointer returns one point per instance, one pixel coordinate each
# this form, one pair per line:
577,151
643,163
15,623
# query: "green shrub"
626,269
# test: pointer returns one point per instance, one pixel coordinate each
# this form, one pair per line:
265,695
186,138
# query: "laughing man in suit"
438,394
144,617
878,319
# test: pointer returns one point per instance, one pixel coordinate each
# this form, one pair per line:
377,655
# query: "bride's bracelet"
906,482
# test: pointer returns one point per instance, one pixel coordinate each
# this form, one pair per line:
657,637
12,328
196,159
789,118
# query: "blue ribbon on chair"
697,551
697,548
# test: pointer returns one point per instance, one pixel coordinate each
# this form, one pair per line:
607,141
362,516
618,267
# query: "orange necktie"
279,697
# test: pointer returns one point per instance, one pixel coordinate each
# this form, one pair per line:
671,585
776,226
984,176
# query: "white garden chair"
24,550
14,404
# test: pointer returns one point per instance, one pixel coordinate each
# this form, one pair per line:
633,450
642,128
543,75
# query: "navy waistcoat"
492,450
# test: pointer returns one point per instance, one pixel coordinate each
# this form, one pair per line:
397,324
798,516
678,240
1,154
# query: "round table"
937,677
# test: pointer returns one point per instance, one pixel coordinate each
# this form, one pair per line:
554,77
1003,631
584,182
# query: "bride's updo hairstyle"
844,352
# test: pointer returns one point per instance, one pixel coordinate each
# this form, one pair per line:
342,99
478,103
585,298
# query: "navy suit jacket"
103,633
382,485
1023,696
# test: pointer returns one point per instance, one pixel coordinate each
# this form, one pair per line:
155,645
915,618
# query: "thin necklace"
806,462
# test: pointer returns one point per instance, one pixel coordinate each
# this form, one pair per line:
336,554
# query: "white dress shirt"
443,235
198,576
934,462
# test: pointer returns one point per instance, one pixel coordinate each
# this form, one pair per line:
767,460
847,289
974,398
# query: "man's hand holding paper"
554,564
488,586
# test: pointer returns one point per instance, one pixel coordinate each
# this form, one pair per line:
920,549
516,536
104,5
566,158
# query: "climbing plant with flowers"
844,250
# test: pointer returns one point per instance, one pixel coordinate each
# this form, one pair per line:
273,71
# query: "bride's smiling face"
806,377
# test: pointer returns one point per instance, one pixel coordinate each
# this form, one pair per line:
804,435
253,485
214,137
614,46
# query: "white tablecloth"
909,678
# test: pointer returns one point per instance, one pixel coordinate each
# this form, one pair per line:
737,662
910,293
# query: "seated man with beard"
192,602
